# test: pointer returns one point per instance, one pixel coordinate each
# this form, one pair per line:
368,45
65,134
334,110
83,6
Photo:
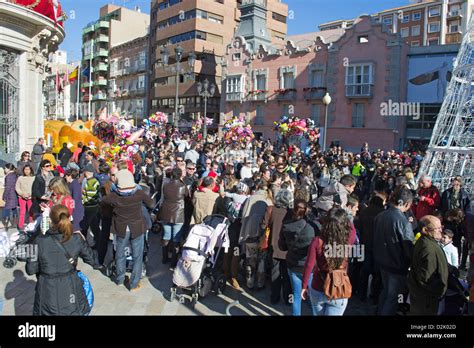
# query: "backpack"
233,210
337,284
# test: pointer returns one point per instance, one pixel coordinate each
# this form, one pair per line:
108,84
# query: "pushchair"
19,250
196,270
456,300
111,269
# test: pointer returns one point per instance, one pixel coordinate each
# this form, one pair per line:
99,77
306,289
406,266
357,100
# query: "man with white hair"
428,198
428,276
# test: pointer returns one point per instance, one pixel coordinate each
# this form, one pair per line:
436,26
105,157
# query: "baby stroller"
111,270
456,300
196,270
19,250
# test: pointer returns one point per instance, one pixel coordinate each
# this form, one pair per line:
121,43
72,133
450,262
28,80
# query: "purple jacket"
9,195
78,213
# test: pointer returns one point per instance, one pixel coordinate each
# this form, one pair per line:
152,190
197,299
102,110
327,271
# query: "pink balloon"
135,136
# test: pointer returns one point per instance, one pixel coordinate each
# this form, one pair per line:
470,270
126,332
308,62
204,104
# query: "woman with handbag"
330,287
59,289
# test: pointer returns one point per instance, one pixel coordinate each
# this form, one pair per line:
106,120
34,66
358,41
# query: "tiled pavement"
17,294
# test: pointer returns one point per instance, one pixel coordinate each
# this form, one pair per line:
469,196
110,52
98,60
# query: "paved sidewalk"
17,295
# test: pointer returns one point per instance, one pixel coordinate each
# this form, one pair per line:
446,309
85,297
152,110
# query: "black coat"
59,290
38,190
393,241
366,222
465,203
295,237
64,156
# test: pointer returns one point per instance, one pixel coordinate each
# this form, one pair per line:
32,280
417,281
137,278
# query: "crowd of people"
287,206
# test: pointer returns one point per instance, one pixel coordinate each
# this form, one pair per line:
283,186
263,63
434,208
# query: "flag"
73,76
86,72
59,84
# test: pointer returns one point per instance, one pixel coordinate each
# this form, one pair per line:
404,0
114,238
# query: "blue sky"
307,15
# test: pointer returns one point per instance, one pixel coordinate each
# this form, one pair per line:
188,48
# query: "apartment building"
129,78
422,22
204,27
115,26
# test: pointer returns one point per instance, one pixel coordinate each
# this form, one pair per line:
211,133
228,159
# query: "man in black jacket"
64,155
366,230
393,244
455,197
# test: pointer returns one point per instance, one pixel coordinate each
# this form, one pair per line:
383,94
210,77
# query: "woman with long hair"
10,197
23,188
61,194
295,237
59,289
25,159
322,253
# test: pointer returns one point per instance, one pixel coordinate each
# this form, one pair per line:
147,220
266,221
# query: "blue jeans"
323,306
394,285
137,246
8,212
173,232
296,279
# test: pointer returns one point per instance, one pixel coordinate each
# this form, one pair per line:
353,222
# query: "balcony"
454,14
453,38
102,24
102,82
314,93
87,57
101,67
88,29
99,96
258,95
101,53
102,38
288,94
116,72
86,84
234,96
359,91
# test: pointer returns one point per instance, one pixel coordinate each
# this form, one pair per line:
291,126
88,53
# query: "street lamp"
165,56
326,101
205,91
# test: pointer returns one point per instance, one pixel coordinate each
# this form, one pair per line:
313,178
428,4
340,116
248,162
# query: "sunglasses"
179,160
47,166
191,168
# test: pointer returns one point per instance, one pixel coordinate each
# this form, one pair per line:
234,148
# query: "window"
288,80
433,41
454,27
236,56
387,20
415,43
434,11
278,17
415,30
405,32
317,78
363,39
259,120
416,16
286,110
358,115
359,79
433,27
201,14
315,113
215,18
234,88
141,81
406,18
261,82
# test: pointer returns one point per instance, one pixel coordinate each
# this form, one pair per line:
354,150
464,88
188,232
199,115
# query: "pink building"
361,68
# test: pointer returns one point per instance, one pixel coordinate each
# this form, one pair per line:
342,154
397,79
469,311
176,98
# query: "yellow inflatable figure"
60,132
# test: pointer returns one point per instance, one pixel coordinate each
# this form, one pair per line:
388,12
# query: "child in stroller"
196,270
20,249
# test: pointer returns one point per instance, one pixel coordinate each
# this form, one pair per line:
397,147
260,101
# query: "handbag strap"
69,258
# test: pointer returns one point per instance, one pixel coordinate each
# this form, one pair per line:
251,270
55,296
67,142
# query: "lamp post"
326,102
205,91
165,54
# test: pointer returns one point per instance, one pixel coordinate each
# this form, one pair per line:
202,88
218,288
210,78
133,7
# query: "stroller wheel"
172,294
205,286
110,270
9,262
220,284
194,300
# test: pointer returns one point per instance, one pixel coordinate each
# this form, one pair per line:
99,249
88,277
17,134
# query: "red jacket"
429,204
